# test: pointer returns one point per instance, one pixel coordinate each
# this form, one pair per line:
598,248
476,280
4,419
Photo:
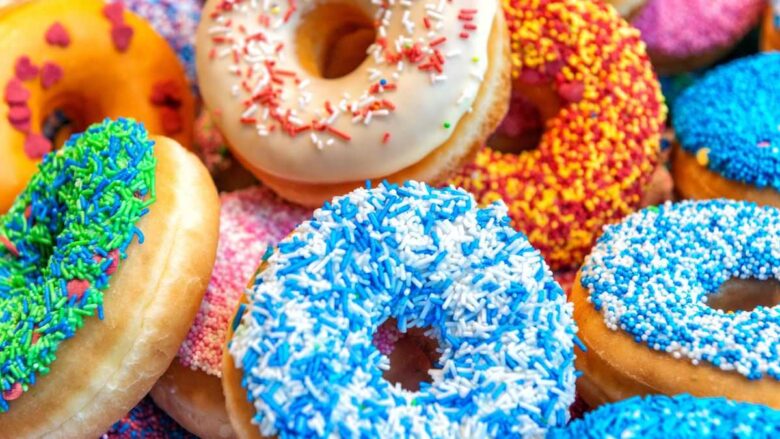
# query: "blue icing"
734,112
504,327
651,275
681,416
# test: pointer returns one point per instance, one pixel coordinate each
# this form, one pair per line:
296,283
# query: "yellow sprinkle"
703,156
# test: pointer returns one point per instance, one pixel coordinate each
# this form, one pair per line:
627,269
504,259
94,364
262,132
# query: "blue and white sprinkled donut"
651,278
177,21
729,123
431,259
682,416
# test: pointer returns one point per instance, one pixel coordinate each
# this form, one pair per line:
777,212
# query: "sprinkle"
57,35
25,69
447,125
51,73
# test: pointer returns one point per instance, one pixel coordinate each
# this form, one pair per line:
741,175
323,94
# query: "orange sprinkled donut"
587,72
86,60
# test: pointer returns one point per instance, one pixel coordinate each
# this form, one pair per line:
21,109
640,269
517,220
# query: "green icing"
62,239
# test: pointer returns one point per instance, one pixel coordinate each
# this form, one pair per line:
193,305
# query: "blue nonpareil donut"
428,258
654,284
682,416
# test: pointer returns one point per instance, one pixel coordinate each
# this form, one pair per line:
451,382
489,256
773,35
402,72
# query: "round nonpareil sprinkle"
730,120
598,153
147,421
64,236
651,276
428,258
681,416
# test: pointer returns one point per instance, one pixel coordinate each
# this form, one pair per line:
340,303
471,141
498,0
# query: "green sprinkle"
76,215
447,125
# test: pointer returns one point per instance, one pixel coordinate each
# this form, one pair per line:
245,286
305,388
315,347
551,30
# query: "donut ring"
671,301
428,258
91,60
728,143
251,220
672,30
681,416
310,136
65,373
603,109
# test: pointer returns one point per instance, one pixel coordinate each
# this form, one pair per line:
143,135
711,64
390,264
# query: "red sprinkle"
25,69
572,91
57,35
35,337
114,13
15,93
9,245
50,74
13,393
121,35
19,115
386,137
36,146
77,287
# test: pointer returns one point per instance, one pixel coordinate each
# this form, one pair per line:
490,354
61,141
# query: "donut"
770,38
628,8
674,30
117,226
90,60
604,116
177,21
302,362
190,391
416,104
146,420
683,298
728,143
681,416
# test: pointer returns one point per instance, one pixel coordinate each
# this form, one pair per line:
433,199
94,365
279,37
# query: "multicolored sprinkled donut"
147,421
595,86
177,21
728,133
685,35
430,259
654,296
681,416
88,60
429,90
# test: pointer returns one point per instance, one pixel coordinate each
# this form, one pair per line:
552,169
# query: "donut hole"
522,128
333,38
413,355
63,118
745,295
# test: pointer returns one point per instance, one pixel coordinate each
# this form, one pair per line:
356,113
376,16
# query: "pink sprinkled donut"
190,391
684,35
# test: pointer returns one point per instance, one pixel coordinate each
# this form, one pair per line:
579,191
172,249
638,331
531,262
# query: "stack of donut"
412,218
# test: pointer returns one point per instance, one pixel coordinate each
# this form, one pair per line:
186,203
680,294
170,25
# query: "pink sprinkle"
19,115
36,146
572,91
35,337
25,69
250,220
50,74
13,393
9,245
15,93
122,35
57,35
77,287
114,13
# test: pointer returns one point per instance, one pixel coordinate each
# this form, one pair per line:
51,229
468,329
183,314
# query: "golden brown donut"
770,30
110,364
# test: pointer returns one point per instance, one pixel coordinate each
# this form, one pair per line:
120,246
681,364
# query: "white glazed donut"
426,96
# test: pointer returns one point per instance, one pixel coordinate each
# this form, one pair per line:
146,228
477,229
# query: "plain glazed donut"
604,115
682,417
90,318
683,299
433,261
432,88
251,220
686,35
91,60
728,142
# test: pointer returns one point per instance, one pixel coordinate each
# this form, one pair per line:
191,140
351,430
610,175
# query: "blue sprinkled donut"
428,258
682,416
729,124
648,283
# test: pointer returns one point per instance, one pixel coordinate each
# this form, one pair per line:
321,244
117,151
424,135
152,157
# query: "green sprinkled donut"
62,240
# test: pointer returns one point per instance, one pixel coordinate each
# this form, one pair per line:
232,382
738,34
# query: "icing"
428,59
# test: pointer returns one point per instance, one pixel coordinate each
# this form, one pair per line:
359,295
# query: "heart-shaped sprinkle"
114,12
19,114
50,74
25,69
57,35
36,146
121,35
15,93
